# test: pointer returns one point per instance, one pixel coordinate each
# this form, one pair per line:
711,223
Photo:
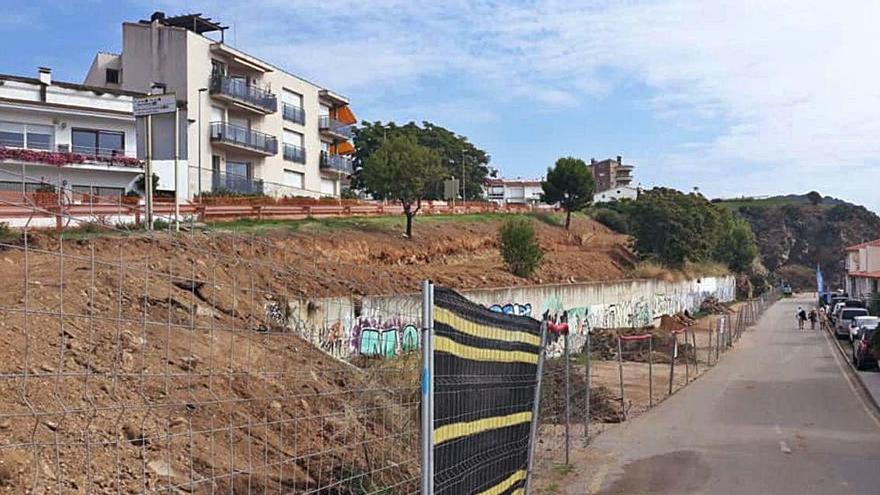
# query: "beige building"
863,269
252,128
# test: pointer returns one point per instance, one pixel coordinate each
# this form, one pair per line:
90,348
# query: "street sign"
154,104
450,189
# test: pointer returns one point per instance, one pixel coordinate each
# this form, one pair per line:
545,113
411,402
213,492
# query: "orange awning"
343,148
345,115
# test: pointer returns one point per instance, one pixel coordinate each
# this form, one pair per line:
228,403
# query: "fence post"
687,361
620,370
651,371
589,382
672,361
696,357
709,355
536,408
427,388
567,402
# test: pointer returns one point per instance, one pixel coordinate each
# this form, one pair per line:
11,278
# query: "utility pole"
201,90
463,198
176,168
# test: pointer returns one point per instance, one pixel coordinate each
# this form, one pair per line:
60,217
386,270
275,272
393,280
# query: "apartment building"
251,127
513,191
863,269
610,173
58,134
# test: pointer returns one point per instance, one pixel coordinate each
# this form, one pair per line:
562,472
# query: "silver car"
861,323
844,318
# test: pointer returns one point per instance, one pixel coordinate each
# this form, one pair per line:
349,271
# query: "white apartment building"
863,269
55,134
616,194
252,127
513,191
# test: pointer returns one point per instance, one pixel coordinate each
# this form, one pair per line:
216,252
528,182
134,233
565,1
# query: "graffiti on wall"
376,338
513,309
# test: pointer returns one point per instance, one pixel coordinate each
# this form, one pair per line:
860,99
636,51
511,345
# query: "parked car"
860,324
786,289
863,357
844,318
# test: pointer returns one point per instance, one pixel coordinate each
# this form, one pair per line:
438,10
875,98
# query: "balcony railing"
294,153
293,113
239,184
244,137
239,90
334,126
62,157
337,163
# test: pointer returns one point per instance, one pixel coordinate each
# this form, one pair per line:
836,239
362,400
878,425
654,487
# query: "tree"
402,170
570,184
454,151
814,197
519,247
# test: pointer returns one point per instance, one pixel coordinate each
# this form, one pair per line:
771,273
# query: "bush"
5,231
519,247
612,219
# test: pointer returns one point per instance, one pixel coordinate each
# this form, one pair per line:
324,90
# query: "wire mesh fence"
620,373
143,364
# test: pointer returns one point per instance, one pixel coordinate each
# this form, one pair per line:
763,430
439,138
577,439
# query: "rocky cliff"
794,238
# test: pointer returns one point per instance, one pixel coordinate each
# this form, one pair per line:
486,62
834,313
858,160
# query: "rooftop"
856,247
69,85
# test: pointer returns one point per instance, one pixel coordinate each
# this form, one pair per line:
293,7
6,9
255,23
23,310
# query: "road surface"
778,415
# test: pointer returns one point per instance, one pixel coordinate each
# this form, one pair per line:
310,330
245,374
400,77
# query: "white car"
860,323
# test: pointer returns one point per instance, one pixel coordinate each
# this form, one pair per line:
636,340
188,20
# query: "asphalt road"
778,415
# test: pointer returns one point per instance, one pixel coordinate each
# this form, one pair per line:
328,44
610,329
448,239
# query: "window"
293,137
112,76
292,107
239,170
293,178
32,136
328,187
98,142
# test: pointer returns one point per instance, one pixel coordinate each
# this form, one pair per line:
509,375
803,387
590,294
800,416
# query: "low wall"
384,325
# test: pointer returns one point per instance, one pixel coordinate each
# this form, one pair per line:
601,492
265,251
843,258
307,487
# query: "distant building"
610,173
253,127
616,194
513,191
55,134
863,269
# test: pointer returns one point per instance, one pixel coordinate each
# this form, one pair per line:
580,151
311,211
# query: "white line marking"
784,447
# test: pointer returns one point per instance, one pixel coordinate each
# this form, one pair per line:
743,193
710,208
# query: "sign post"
148,106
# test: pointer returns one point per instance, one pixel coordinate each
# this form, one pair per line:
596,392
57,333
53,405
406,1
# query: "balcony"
334,128
238,184
336,163
292,113
294,153
80,156
243,139
243,95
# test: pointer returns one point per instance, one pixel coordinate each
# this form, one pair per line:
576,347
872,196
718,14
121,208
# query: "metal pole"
620,372
176,167
463,199
696,358
687,365
200,146
709,356
651,371
589,382
672,362
536,408
567,403
427,388
148,175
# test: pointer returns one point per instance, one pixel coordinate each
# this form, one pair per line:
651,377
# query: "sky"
733,97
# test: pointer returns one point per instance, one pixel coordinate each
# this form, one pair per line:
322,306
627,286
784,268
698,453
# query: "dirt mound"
603,345
604,406
712,306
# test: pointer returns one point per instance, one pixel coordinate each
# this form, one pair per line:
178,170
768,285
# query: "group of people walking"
814,315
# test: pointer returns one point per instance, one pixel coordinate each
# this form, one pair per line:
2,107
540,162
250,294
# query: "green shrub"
5,231
519,247
614,220
161,224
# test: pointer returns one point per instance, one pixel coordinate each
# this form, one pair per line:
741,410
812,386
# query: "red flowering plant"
61,158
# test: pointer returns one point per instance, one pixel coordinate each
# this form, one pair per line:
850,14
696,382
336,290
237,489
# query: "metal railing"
242,136
293,113
65,155
222,182
338,163
294,153
240,90
326,123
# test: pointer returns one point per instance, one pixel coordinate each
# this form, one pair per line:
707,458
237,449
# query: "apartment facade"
251,127
56,135
863,269
611,173
616,194
513,191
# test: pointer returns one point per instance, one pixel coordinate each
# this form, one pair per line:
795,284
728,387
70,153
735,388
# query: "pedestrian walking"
801,316
813,317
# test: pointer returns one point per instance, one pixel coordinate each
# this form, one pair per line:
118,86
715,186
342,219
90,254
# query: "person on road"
823,317
801,317
813,316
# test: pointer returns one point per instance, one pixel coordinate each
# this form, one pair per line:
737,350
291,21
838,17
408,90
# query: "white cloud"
786,91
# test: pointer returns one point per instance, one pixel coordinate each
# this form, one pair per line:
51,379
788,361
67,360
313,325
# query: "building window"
31,136
328,187
293,178
98,142
112,76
